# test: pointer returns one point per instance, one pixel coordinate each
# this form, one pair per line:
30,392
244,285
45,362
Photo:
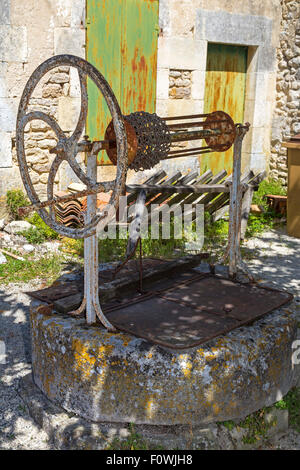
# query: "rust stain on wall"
224,90
122,44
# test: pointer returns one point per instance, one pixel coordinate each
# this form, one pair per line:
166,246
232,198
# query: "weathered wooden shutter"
122,44
225,85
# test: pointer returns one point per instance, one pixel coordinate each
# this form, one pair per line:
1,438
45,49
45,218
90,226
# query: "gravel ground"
275,257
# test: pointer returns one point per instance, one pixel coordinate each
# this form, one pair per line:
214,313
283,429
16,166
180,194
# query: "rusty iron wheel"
67,147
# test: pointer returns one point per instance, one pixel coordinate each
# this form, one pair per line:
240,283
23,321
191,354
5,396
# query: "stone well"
115,377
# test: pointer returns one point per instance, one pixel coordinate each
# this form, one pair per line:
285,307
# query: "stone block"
5,150
182,18
266,61
183,107
69,41
278,420
8,114
183,53
231,28
68,112
52,90
5,12
9,179
198,84
41,168
15,79
154,376
262,113
257,86
3,80
60,77
77,13
74,91
13,43
162,86
164,17
260,140
17,226
162,107
257,161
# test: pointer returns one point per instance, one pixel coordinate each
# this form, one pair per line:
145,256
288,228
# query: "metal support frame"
237,188
90,302
218,131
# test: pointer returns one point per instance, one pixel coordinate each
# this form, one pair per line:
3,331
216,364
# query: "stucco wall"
33,31
186,28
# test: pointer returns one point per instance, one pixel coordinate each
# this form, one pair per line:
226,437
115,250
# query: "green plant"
268,186
73,246
33,235
133,442
291,402
230,425
40,231
260,223
42,227
15,199
256,426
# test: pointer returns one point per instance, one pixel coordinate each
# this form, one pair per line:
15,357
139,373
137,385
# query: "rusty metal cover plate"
56,291
194,311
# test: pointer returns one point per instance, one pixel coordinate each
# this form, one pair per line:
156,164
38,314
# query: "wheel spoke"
39,115
66,148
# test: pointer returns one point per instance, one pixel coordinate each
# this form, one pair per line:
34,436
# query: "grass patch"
115,249
48,267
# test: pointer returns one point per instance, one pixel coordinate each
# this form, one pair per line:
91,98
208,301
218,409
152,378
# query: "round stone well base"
118,378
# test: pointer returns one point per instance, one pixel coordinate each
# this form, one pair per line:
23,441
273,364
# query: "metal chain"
153,139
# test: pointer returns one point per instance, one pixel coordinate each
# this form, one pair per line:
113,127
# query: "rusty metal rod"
188,154
195,124
190,149
97,146
190,116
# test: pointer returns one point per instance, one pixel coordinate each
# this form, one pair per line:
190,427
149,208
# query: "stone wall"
31,32
286,119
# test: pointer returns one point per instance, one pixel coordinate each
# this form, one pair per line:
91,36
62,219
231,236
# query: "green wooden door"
225,85
122,44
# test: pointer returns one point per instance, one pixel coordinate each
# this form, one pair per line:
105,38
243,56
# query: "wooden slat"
205,178
201,188
191,178
173,180
183,180
157,199
154,179
194,198
223,198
